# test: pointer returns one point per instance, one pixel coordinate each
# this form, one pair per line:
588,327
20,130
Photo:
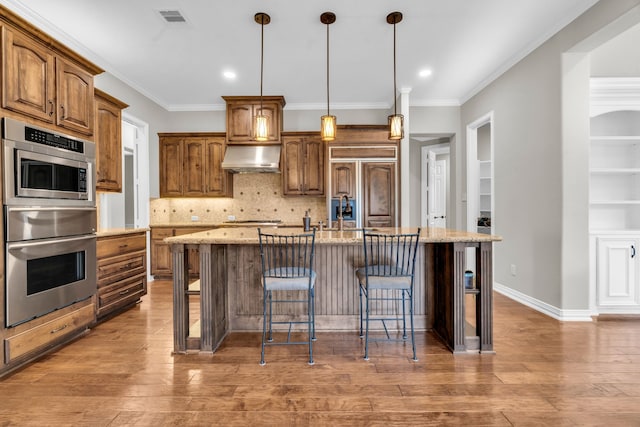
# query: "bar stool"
388,275
287,265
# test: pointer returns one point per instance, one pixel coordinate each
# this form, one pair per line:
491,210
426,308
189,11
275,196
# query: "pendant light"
261,123
328,122
396,121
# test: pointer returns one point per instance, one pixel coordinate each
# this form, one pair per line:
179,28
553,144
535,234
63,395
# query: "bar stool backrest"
287,256
392,255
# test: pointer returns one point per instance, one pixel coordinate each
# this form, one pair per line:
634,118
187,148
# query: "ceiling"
465,44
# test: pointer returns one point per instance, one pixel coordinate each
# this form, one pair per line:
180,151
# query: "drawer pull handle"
633,251
124,292
54,331
123,246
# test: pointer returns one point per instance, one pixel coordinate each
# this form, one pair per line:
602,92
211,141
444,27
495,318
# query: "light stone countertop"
199,224
249,235
105,232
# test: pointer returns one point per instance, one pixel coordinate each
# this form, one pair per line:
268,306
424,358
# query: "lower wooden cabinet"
161,267
34,341
122,272
379,191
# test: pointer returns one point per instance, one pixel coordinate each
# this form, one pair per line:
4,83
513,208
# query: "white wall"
606,60
540,163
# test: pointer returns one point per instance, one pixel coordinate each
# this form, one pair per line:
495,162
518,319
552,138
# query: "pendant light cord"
395,97
261,58
328,69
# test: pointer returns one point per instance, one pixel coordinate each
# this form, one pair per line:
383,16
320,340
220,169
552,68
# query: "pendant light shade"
396,126
396,121
261,122
328,122
328,128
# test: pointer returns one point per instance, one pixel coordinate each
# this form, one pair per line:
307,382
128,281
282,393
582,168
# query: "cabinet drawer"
161,233
47,333
121,293
119,267
117,245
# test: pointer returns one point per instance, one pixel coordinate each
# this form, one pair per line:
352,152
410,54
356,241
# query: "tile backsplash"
255,196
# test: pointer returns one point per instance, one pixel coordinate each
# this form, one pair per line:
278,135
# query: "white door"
431,196
439,190
617,284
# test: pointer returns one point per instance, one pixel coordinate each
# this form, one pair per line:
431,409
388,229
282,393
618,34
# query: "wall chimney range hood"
252,159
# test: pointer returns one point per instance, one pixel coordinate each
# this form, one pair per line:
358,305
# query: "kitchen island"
230,295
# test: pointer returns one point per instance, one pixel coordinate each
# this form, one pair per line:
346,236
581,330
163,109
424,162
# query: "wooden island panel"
336,298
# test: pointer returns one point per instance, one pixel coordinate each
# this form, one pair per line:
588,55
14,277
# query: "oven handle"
50,208
57,240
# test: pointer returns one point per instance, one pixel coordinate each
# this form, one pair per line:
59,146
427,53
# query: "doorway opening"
130,207
480,182
435,186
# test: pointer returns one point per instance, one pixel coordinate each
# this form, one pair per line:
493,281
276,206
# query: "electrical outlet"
195,218
231,217
513,269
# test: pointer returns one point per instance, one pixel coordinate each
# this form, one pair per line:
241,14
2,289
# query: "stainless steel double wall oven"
49,220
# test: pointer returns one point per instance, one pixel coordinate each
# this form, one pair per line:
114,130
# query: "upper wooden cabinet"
108,138
302,165
28,83
190,166
343,179
241,111
45,86
74,94
44,80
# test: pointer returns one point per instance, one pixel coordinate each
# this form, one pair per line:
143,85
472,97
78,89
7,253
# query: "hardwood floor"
544,372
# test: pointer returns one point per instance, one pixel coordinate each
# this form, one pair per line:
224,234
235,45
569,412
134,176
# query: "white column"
404,159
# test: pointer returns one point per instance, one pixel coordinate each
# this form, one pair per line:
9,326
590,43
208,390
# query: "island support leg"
449,319
484,310
206,300
180,303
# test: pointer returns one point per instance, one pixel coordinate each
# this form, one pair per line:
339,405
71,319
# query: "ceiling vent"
172,16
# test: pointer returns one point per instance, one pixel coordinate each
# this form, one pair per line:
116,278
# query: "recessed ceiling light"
229,75
425,73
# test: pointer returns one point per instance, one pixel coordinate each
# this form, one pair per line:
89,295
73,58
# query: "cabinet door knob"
633,251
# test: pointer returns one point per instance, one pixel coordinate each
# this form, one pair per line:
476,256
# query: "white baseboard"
543,307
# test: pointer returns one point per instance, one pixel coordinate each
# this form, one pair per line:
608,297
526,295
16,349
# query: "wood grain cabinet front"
302,165
43,84
241,112
343,179
108,138
122,272
190,165
379,188
37,339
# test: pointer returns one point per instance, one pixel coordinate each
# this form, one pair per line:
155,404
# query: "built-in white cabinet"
618,287
614,210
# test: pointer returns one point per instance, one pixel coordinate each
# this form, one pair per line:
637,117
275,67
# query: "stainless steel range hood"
252,158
